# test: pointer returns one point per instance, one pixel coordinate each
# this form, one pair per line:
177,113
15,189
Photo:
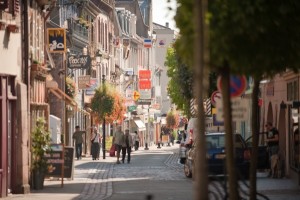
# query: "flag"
147,43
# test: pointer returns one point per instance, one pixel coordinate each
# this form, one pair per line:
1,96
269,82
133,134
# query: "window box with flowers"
71,89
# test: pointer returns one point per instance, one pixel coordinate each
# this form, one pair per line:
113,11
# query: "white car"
187,139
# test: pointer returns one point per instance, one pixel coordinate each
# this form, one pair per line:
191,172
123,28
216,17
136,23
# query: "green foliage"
102,102
40,145
180,83
255,37
184,21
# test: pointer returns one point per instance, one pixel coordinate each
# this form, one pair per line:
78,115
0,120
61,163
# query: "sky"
161,14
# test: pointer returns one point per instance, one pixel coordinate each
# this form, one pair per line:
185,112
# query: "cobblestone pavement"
96,179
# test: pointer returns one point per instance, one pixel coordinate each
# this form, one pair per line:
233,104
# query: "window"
292,90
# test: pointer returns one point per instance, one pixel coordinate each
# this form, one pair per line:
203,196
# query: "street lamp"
103,125
98,60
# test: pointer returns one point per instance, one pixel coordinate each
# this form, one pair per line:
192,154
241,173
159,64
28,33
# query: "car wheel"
182,160
187,170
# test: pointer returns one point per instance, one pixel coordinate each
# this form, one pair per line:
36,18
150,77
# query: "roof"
158,26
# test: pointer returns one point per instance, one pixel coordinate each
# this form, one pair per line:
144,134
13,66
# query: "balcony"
106,5
79,31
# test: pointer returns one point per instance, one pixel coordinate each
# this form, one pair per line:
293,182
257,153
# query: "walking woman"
95,144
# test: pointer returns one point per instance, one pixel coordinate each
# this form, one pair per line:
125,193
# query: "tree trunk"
255,137
230,160
200,61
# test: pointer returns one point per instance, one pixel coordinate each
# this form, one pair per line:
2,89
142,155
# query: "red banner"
144,84
144,74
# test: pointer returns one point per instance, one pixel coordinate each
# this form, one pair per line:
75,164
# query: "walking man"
78,140
128,144
118,138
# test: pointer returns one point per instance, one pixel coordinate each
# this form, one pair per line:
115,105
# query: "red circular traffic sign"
214,96
238,85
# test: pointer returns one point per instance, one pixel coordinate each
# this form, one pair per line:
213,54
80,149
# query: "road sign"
144,102
215,96
131,108
238,85
240,110
136,95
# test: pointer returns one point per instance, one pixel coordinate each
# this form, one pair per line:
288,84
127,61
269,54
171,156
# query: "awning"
53,88
141,126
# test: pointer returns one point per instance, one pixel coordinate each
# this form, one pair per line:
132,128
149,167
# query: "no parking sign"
238,85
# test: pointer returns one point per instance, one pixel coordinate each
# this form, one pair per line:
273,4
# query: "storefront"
7,132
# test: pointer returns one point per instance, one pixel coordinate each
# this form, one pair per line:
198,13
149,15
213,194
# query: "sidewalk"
93,180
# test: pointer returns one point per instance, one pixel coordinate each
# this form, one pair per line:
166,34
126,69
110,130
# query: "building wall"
273,94
167,35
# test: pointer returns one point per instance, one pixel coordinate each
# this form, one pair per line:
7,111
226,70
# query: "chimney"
167,24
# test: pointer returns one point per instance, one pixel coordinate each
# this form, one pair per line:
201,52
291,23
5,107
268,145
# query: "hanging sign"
56,40
81,62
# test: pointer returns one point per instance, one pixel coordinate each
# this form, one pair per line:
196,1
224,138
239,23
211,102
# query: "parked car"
187,139
263,155
215,143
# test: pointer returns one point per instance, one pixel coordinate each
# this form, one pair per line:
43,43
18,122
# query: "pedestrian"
78,140
272,142
118,138
95,138
126,147
136,141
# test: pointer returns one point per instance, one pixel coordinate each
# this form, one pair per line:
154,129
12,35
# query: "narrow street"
154,172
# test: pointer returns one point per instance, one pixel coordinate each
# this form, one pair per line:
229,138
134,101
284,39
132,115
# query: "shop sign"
144,74
83,82
82,62
144,84
56,40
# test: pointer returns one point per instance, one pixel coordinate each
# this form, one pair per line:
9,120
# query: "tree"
108,102
102,102
118,110
255,38
181,81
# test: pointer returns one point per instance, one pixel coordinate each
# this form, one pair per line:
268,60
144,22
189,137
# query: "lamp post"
103,125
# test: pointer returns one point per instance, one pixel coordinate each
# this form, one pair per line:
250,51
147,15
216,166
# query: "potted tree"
40,146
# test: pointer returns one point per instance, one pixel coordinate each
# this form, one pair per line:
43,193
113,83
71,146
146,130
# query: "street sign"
215,96
240,110
238,85
136,95
145,94
144,101
131,108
